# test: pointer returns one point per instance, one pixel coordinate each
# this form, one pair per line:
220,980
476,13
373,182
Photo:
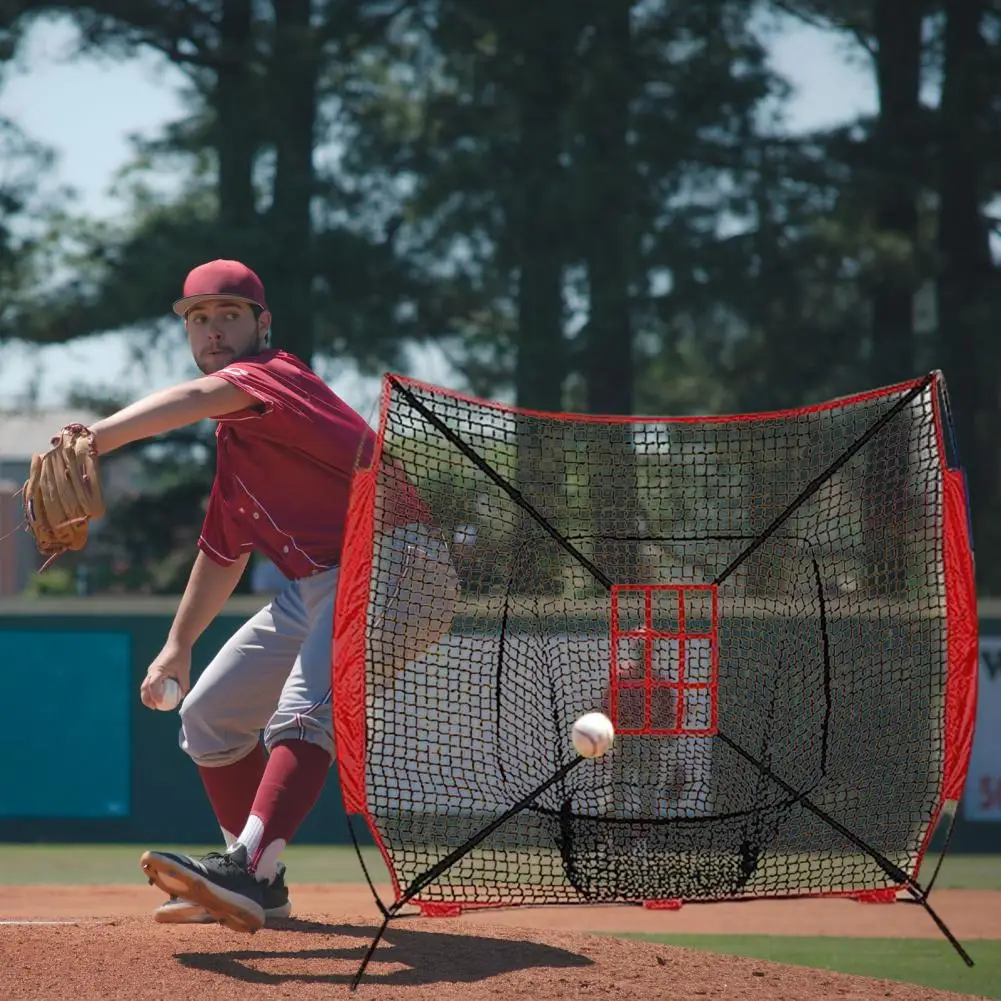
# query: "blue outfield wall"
82,760
68,730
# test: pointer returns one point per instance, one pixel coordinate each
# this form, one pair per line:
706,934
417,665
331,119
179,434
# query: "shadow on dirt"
404,957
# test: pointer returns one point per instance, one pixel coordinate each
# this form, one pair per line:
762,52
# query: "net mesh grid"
821,654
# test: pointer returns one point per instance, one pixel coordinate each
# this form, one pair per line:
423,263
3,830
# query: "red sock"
292,783
231,788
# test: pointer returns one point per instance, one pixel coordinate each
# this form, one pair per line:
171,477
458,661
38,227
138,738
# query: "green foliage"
29,217
59,580
594,205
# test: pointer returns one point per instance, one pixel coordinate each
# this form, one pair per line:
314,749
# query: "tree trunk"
608,235
967,280
609,229
541,362
293,91
897,29
897,146
538,39
237,124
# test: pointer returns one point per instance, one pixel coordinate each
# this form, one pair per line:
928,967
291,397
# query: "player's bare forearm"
209,588
168,409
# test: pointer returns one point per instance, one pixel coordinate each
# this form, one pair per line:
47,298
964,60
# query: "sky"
88,110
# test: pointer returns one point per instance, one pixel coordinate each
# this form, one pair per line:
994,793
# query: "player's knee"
191,710
205,739
308,727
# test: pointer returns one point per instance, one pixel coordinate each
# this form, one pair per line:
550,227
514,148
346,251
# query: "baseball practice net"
776,610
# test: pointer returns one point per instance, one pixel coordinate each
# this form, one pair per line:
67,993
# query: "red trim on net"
962,638
962,633
348,654
767,415
462,902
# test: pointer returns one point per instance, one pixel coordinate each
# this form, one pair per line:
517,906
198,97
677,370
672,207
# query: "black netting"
829,645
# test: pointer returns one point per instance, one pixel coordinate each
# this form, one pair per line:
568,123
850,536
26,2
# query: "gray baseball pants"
274,673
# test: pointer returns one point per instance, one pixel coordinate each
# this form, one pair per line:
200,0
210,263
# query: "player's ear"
264,327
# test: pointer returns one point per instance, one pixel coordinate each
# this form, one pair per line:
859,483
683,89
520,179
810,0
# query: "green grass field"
104,864
931,963
21,864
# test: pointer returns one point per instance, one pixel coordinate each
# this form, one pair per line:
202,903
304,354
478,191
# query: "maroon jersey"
283,476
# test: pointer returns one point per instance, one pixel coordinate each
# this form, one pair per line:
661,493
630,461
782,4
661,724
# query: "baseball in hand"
169,695
593,735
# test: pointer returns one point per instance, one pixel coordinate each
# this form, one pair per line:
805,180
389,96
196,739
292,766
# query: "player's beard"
227,356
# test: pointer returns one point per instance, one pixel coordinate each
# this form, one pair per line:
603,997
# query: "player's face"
220,331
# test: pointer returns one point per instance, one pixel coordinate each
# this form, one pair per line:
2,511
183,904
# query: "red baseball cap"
221,280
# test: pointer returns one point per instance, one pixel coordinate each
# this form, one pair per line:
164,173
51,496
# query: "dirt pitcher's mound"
134,959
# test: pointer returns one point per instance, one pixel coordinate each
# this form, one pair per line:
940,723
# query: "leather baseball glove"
63,492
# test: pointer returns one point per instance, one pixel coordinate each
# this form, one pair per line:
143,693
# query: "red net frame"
348,652
959,617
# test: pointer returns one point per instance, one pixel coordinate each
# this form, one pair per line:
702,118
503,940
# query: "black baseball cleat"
220,882
178,911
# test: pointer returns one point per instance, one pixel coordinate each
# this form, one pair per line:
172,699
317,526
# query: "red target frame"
655,628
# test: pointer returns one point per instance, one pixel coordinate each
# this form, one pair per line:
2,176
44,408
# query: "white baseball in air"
593,735
169,696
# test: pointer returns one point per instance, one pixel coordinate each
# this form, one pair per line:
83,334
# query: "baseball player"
287,447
